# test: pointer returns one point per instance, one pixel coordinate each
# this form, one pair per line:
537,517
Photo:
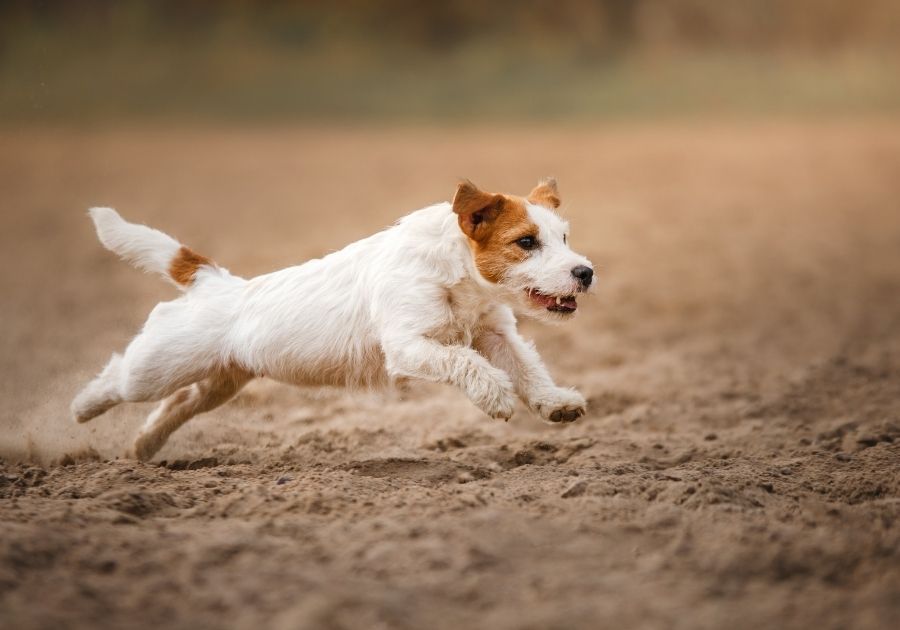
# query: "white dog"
431,297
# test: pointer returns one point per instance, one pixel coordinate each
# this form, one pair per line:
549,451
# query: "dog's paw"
560,405
495,395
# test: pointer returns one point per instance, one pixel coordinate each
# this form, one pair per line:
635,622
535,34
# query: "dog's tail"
148,249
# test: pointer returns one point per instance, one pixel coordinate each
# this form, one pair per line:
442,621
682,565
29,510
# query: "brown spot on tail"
185,265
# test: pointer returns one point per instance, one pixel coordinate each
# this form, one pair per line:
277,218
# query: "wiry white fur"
407,302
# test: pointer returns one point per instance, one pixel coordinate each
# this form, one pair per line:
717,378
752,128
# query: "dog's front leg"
504,347
489,387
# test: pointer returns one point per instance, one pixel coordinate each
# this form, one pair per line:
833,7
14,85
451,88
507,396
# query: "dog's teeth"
558,300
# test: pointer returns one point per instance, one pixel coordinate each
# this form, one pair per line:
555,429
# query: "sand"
739,465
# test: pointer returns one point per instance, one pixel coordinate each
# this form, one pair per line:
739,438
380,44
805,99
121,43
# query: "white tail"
146,248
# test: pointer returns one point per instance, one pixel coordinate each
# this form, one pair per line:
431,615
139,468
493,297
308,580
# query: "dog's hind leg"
101,394
183,405
149,370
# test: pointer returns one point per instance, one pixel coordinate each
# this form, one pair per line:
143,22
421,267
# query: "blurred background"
459,59
729,166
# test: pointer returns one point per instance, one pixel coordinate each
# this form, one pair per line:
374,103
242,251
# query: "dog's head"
522,247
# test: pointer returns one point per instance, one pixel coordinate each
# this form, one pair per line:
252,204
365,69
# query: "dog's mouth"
554,303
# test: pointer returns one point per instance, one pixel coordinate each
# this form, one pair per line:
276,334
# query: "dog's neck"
472,295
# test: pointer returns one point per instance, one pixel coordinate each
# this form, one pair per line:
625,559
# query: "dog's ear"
476,209
545,193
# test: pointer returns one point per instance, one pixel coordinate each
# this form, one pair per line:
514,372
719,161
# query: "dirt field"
739,465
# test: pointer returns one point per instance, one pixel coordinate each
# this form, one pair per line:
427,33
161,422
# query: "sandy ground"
739,465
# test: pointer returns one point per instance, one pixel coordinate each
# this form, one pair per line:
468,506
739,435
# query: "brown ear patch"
185,265
477,210
545,194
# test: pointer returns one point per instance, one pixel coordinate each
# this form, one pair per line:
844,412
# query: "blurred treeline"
453,59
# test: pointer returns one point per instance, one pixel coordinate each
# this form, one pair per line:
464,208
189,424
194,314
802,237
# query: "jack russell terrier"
431,297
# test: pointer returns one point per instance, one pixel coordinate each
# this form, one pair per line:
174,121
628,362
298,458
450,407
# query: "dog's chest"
465,310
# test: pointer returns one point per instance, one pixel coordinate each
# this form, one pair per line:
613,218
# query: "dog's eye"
527,242
565,240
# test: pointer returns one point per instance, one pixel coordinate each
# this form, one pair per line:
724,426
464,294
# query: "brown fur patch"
493,222
545,194
185,265
498,251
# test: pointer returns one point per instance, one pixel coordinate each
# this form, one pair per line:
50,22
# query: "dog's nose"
584,275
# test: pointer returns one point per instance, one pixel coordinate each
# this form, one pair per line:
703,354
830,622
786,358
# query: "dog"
433,297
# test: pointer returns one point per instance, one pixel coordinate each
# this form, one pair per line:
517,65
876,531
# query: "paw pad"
566,415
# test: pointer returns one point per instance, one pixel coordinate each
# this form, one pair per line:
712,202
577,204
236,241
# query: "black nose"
584,275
